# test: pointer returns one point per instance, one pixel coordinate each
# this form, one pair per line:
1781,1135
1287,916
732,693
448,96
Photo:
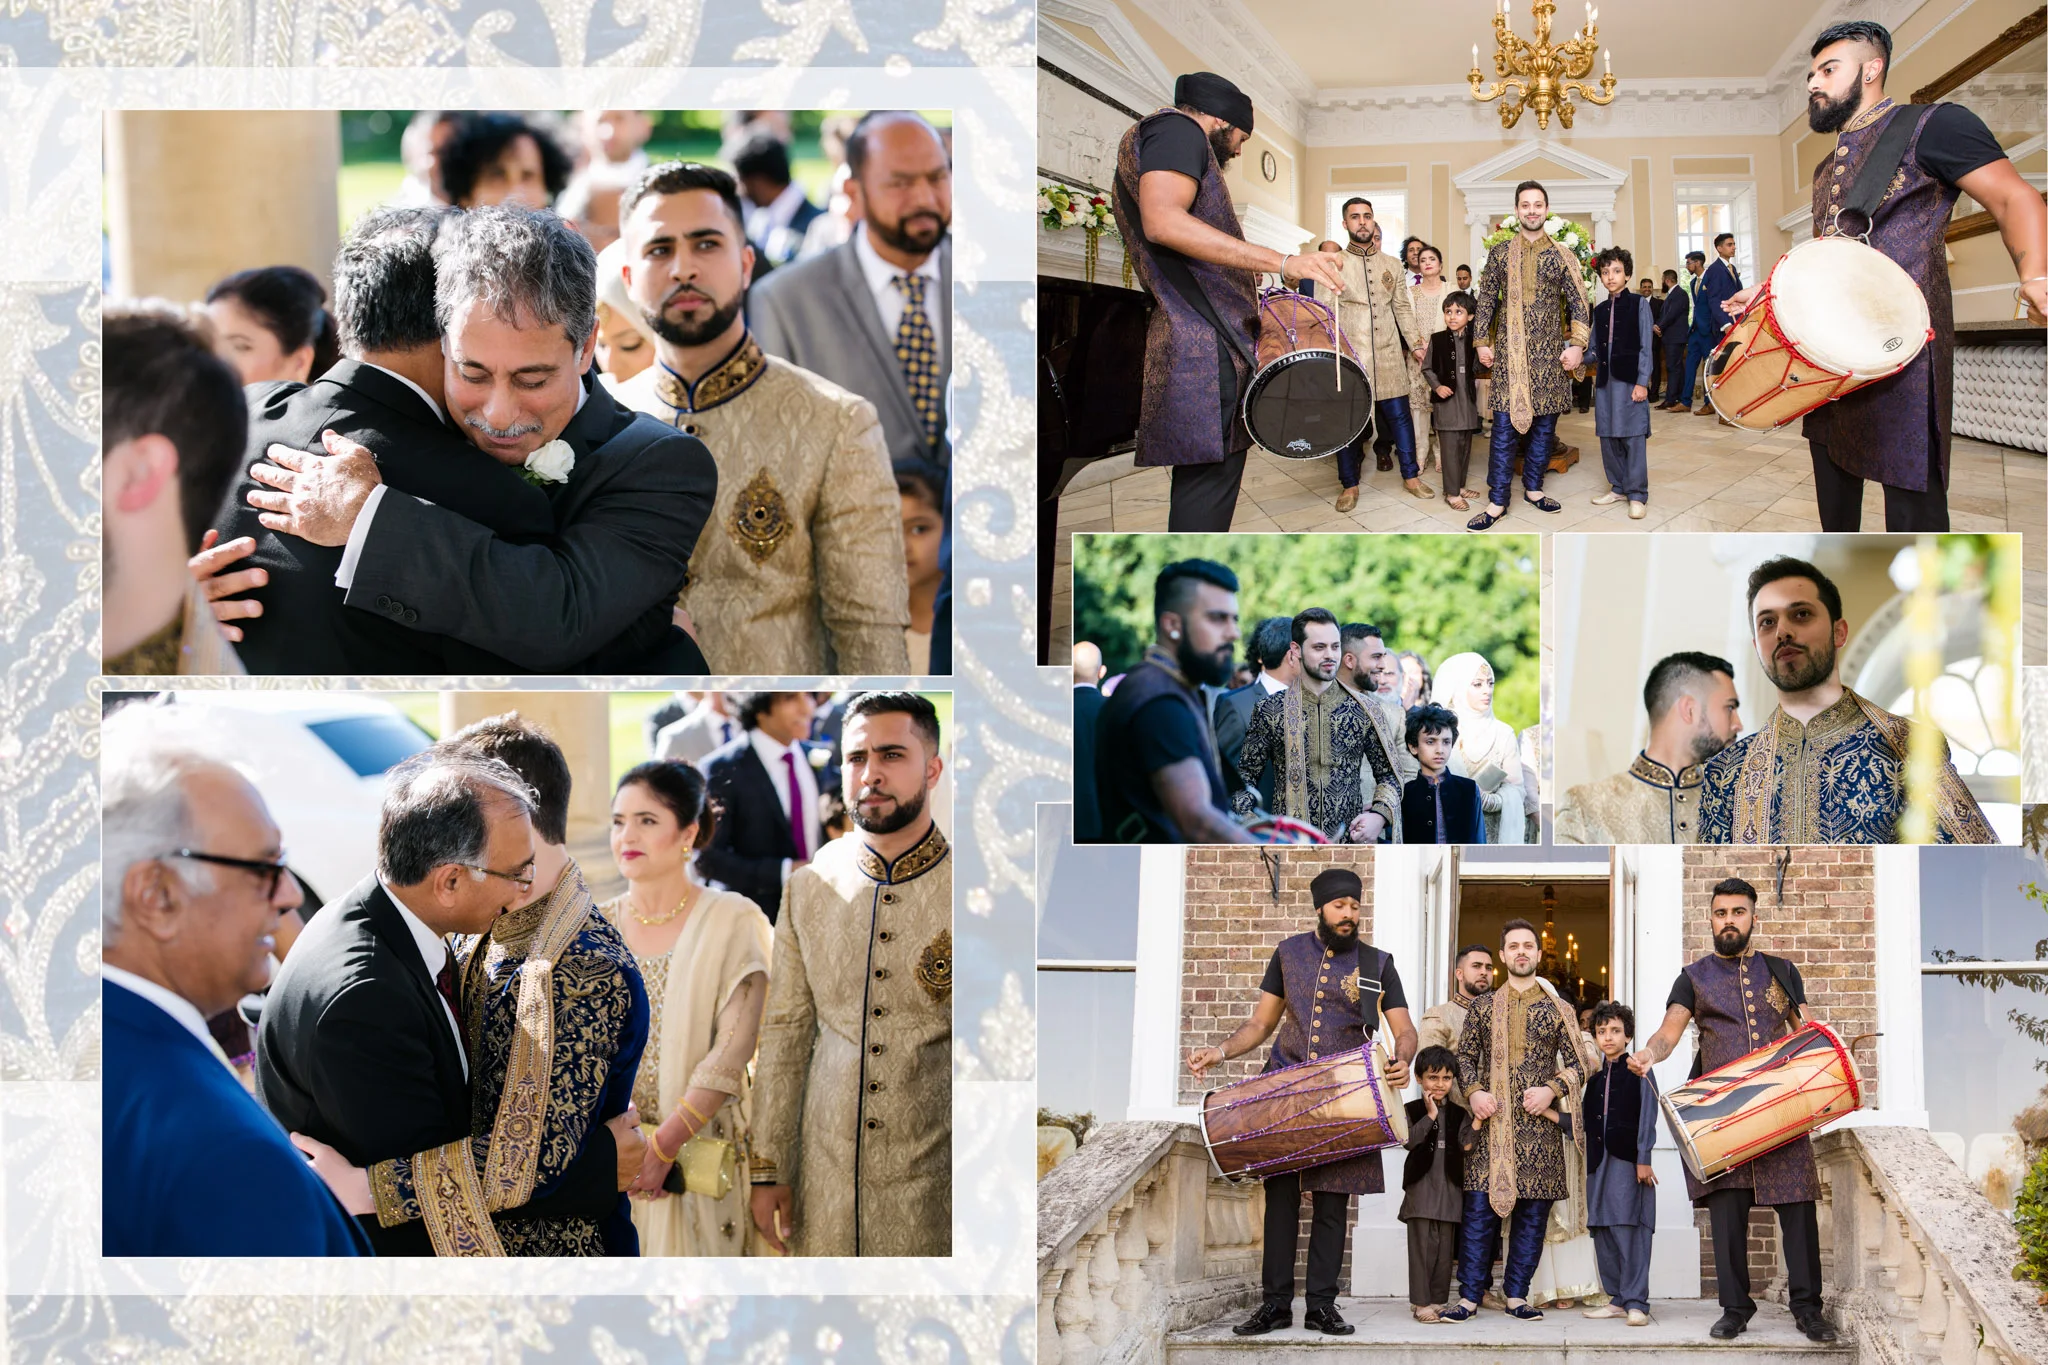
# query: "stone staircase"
1387,1335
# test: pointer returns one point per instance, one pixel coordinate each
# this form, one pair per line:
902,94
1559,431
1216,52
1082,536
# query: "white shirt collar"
440,413
165,999
878,272
770,750
433,948
1271,683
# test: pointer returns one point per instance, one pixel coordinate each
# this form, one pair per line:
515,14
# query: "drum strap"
1876,176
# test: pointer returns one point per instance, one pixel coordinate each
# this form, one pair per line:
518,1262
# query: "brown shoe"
1417,488
1705,411
1347,500
1726,423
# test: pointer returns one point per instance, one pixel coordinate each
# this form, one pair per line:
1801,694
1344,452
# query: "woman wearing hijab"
1487,750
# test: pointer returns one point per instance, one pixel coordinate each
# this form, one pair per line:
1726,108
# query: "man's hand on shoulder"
318,495
209,568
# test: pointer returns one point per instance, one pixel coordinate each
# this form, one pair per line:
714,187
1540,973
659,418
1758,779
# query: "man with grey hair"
193,881
361,1047
516,303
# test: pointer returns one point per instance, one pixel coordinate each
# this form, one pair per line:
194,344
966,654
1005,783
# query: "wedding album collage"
1095,682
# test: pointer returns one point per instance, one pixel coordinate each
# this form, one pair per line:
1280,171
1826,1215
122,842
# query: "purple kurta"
1896,430
1327,1007
1738,1009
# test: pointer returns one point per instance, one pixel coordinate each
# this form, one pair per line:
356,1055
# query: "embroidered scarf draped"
1501,1190
1524,258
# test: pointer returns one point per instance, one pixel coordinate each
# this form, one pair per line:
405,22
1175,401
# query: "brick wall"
1824,922
1230,925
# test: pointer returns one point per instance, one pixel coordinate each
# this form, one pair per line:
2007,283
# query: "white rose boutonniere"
818,758
550,464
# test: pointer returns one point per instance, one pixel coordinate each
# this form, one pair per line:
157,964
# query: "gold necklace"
652,920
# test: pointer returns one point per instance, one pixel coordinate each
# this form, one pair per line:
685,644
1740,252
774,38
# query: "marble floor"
1703,477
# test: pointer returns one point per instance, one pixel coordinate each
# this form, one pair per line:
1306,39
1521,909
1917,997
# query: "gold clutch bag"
707,1165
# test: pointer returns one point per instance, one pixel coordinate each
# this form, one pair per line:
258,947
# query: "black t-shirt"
1682,991
1954,143
1392,997
1163,733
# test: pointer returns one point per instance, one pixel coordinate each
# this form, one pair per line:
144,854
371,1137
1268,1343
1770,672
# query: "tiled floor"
1703,477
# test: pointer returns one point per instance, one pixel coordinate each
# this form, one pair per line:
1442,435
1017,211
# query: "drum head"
1848,306
1295,408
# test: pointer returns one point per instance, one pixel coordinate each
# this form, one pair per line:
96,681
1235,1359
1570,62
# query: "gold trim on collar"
1649,770
725,381
1870,115
922,857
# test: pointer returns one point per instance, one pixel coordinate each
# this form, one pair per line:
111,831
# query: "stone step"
1387,1335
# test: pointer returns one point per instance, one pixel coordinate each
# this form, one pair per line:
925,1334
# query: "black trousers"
1840,495
1283,1235
1204,496
1798,1236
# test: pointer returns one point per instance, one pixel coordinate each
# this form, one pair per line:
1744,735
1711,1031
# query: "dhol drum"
1307,400
1283,829
1833,316
1302,1116
1764,1100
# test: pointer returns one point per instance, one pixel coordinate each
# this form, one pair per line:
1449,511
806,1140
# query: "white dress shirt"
770,754
433,953
352,553
1271,683
889,299
167,1000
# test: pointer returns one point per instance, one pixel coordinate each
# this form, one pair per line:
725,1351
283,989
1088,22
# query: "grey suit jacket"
818,314
628,519
1232,717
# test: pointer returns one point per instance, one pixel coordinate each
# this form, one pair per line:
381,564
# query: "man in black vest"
1156,771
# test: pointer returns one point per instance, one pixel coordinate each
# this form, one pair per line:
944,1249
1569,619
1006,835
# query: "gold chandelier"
1542,76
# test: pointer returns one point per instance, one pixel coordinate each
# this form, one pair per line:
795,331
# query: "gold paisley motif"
1350,987
760,519
1776,998
935,967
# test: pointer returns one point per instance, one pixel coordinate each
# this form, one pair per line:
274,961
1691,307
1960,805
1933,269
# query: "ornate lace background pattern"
61,67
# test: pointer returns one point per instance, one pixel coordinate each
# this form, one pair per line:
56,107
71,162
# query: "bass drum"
1307,400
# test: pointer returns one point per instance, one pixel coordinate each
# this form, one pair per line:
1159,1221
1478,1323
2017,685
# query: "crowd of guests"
651,418
476,1059
1325,725
1414,328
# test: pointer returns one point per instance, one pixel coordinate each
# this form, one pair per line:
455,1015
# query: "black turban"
1212,94
1335,883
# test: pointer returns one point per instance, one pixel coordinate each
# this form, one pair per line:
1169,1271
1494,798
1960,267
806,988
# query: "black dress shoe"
1327,1321
1385,462
1817,1329
1269,1317
1731,1326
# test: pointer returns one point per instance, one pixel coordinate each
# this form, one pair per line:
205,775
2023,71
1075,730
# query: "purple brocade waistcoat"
1328,1010
1895,430
1180,413
1738,1009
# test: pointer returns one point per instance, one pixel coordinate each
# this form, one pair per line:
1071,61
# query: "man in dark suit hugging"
1437,806
769,793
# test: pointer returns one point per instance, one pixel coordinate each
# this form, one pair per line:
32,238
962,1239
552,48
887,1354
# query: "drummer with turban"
1327,991
1743,999
1182,239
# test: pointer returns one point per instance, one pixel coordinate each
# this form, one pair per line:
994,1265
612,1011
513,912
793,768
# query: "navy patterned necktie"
917,351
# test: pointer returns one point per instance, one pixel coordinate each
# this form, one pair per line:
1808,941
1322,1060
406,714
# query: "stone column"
581,723
1603,229
194,196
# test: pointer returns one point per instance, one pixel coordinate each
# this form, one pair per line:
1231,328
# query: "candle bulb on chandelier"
1607,62
1475,56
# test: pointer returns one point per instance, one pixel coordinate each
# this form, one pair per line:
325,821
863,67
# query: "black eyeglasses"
273,872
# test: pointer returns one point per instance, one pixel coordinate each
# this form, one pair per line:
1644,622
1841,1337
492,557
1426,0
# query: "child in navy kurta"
1621,1189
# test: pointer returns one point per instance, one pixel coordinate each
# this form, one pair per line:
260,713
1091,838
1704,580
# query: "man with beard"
1326,991
1827,766
1520,1055
1742,1000
1694,714
1181,236
1156,770
1443,1024
1324,750
1372,677
854,1084
1897,430
801,571
873,316
1378,317
1529,287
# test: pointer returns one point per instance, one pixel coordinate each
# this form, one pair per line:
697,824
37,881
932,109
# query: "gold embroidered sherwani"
191,645
1647,804
1532,303
800,569
1390,718
1838,779
1377,314
1440,1026
853,1089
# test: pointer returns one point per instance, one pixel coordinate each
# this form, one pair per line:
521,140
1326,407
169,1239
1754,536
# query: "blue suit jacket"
191,1165
1716,287
1675,316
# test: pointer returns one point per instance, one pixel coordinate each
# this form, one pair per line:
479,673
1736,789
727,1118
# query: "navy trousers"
1674,361
1481,1242
1394,419
1534,449
1697,348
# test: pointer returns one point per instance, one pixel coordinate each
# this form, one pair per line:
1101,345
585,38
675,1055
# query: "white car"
319,759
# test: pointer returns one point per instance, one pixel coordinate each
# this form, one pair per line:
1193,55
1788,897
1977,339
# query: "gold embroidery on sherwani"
760,518
726,380
452,1202
1350,986
1648,804
935,967
1523,258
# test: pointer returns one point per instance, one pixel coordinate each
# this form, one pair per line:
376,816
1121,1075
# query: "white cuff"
345,576
787,863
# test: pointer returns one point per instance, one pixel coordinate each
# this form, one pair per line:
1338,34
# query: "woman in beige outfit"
704,954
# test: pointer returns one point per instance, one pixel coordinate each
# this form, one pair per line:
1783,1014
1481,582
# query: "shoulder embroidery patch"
1776,998
760,519
935,967
1350,985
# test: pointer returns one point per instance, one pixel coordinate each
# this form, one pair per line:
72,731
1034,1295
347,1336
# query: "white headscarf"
1452,685
611,289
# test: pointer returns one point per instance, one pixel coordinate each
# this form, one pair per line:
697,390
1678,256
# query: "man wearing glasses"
194,883
361,1048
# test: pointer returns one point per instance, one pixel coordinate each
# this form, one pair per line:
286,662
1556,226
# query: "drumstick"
1337,355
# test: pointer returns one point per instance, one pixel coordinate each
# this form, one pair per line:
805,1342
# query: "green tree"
1435,595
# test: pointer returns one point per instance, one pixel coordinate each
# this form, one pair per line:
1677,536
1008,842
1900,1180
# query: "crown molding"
1137,77
1785,80
1224,35
1404,115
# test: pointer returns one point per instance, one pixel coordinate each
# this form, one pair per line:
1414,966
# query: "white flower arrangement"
1063,206
1563,231
552,463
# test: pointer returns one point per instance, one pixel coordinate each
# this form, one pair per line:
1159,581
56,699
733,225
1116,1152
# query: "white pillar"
1902,1078
1379,1240
1603,229
1155,1008
1660,957
1477,224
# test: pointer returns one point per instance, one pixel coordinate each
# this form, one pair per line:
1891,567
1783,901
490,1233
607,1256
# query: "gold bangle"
683,1103
654,1141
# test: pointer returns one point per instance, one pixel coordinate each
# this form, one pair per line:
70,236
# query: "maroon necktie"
445,983
796,807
